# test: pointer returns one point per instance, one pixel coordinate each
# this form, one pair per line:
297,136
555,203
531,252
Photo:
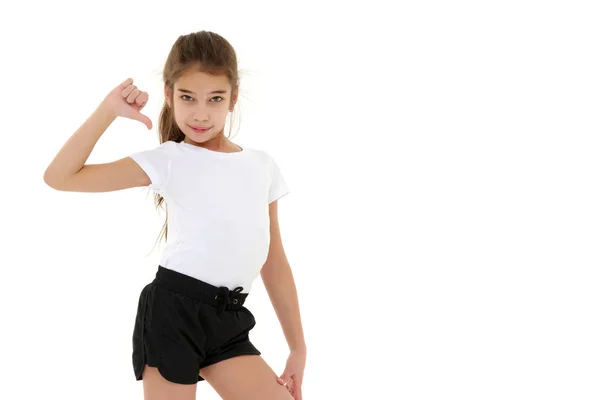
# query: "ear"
168,95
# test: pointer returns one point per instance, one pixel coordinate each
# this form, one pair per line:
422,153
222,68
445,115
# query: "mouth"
199,129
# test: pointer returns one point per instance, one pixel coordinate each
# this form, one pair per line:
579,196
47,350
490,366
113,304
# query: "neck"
218,143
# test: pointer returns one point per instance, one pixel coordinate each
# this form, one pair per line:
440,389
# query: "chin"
193,138
199,137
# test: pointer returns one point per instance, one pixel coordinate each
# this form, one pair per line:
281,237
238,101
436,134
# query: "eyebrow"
215,91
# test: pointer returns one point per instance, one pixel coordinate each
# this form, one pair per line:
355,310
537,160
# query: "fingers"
140,98
290,384
292,390
144,119
134,97
127,82
132,94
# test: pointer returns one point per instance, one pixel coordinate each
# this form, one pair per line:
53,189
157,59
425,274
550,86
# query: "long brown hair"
202,51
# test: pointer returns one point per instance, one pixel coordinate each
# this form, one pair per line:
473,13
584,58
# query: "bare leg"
246,377
158,388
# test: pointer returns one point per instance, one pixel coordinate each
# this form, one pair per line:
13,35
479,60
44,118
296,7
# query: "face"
201,100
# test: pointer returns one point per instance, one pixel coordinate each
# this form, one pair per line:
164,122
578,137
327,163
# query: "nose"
201,115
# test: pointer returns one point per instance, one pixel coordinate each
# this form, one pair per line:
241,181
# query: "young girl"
191,324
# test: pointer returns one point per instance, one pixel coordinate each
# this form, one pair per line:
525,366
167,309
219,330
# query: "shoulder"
169,145
165,147
257,154
169,148
162,151
264,155
269,163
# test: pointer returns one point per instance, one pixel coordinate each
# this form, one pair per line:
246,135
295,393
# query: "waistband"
220,297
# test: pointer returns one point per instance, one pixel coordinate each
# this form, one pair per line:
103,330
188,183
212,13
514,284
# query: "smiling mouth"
199,130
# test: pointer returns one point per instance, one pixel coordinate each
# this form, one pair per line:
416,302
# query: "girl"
191,324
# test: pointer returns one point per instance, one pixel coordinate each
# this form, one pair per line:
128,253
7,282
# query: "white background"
443,220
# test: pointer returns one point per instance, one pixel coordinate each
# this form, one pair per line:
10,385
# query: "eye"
216,97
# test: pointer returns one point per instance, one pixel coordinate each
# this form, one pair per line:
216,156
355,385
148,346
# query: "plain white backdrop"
443,220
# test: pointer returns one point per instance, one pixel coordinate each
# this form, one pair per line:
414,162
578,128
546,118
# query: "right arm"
68,171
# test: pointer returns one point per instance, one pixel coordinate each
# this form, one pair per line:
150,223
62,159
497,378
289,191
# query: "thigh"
158,388
246,377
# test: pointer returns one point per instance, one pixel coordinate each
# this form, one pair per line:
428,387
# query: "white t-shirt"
218,209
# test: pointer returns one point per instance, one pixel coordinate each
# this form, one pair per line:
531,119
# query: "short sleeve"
278,187
156,163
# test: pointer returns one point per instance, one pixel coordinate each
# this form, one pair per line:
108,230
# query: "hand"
126,100
294,373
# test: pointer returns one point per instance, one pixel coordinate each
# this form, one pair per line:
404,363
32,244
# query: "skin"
247,377
203,108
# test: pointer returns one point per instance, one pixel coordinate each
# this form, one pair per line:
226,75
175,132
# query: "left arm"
278,279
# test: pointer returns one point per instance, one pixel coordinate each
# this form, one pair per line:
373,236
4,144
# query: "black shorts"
184,324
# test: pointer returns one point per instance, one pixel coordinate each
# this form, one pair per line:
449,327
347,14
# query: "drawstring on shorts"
228,297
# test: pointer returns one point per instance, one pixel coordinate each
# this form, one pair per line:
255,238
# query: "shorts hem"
227,356
167,376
